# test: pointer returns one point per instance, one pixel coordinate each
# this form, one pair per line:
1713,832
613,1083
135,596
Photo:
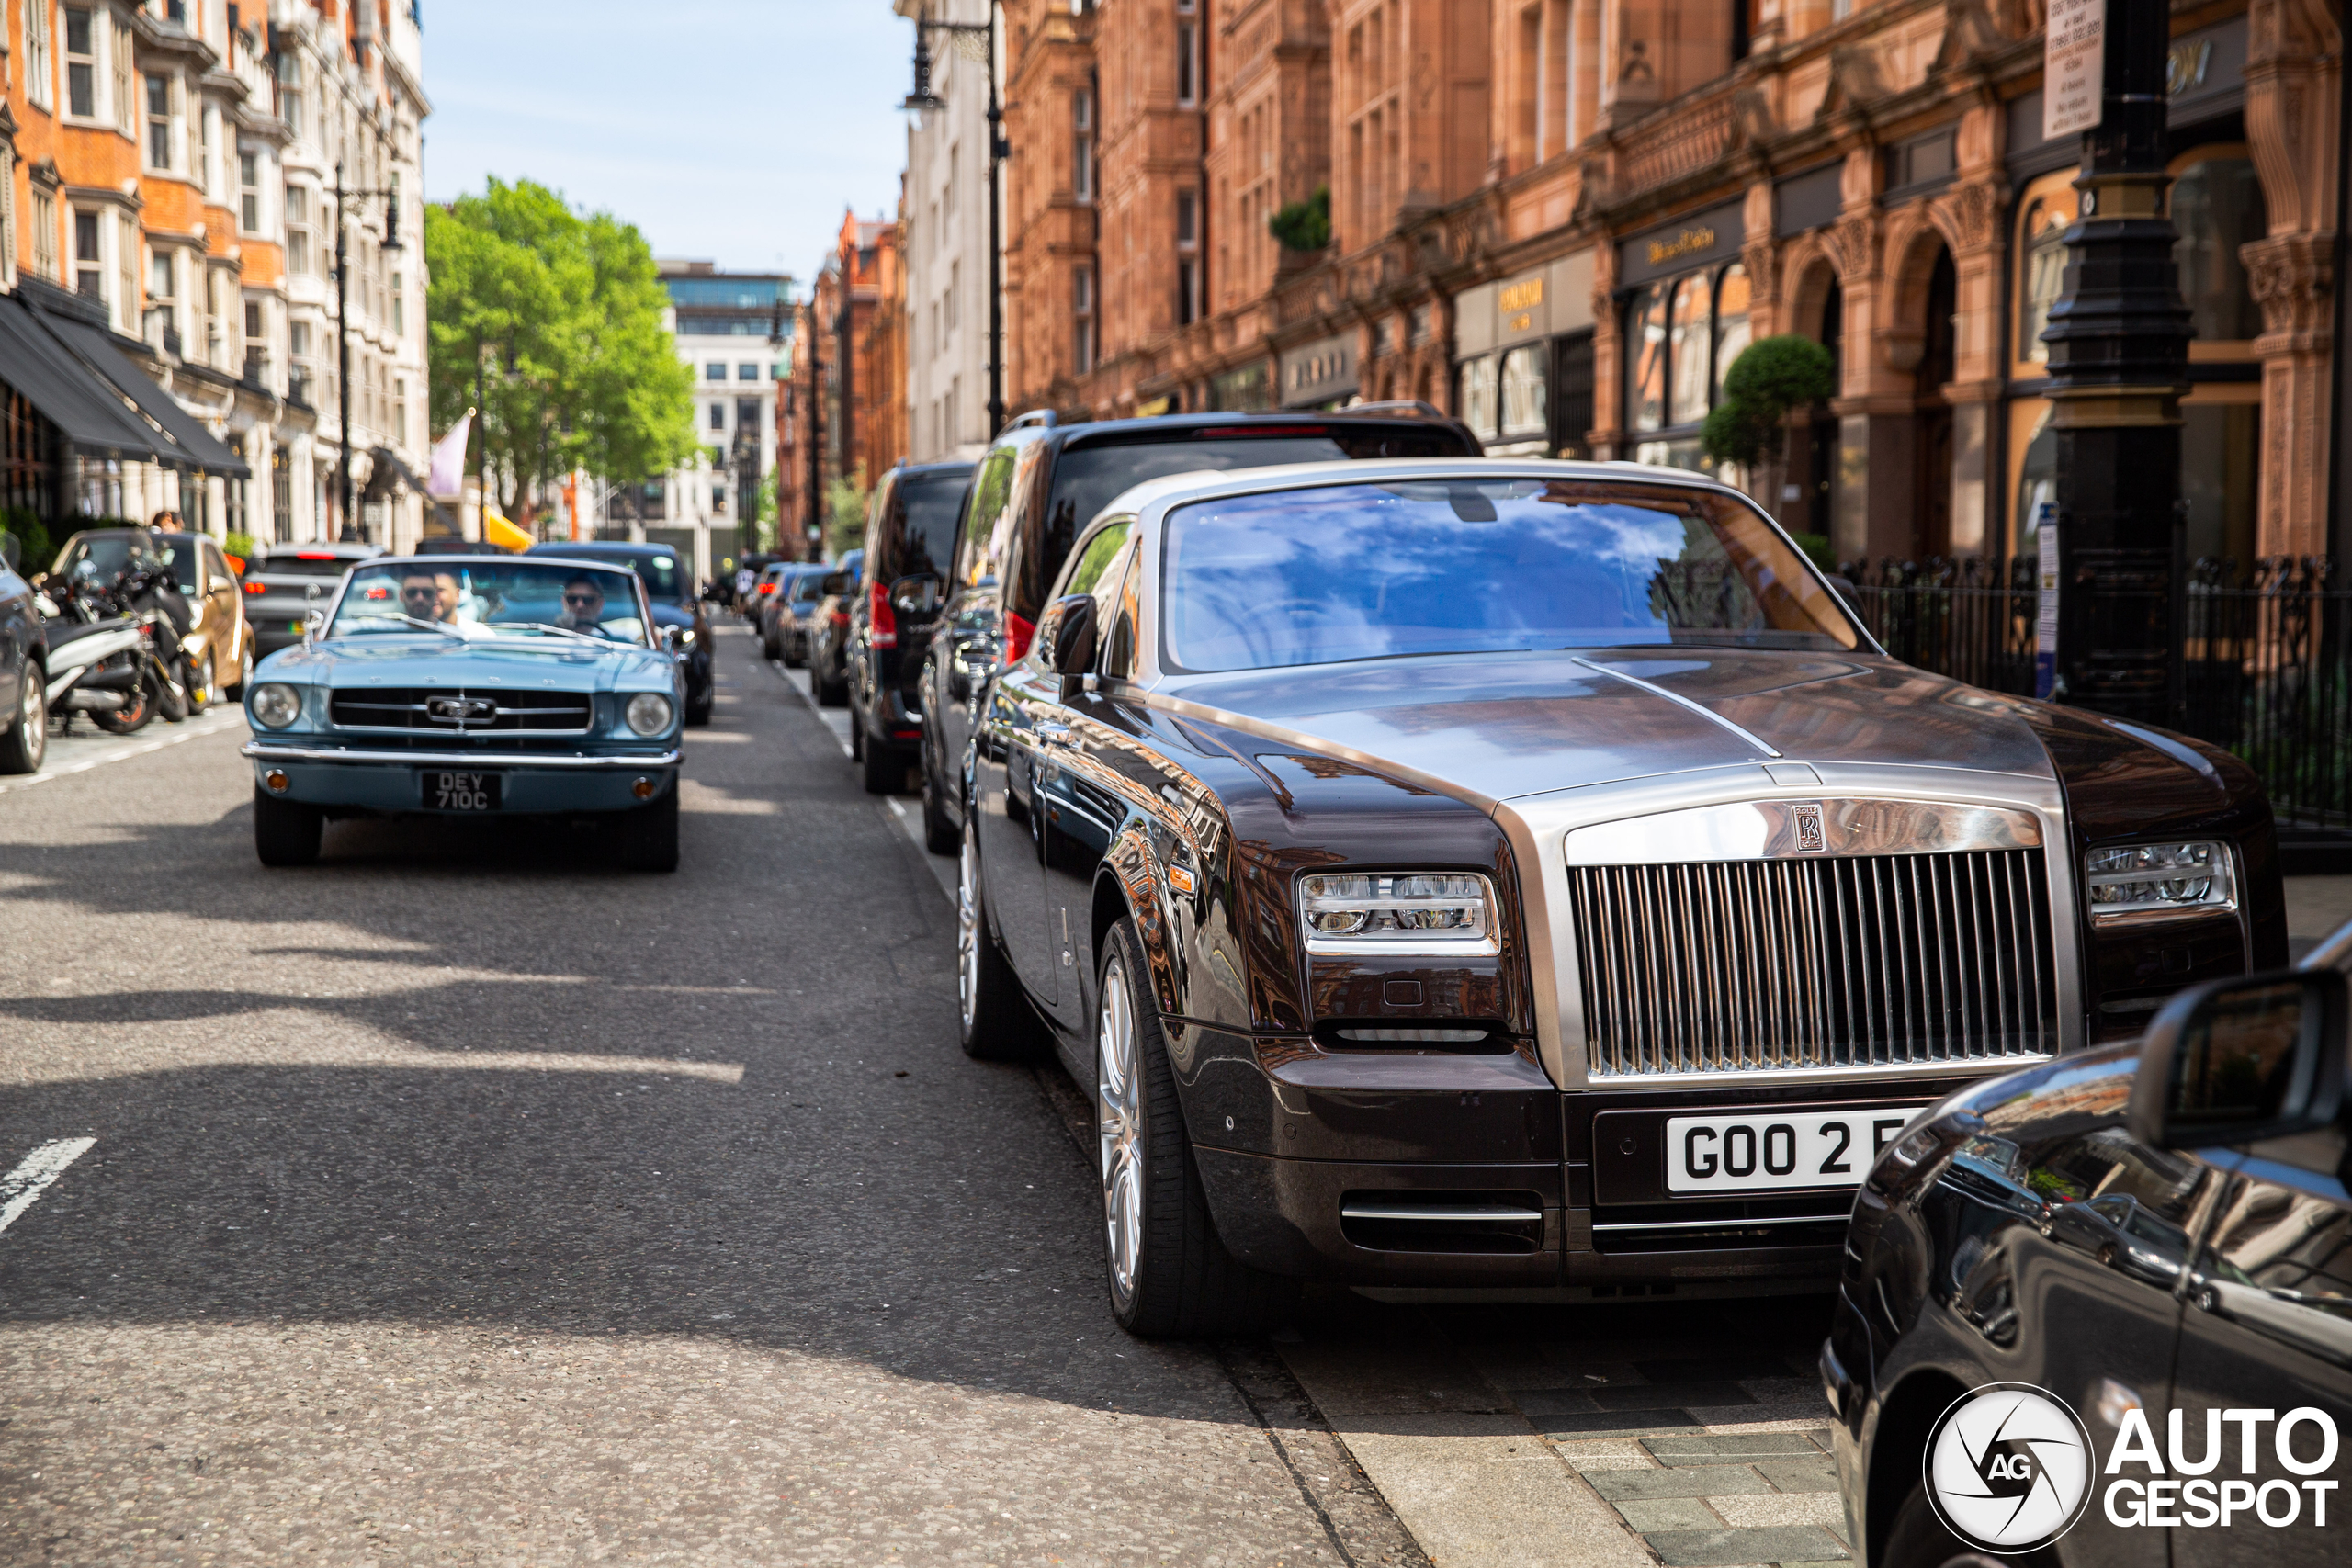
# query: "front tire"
26,741
834,693
1168,1274
286,832
650,834
1919,1540
995,1022
138,707
200,691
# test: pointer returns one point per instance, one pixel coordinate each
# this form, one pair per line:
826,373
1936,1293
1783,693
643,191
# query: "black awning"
85,409
201,449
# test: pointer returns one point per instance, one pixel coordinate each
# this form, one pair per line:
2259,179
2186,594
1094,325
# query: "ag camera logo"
2009,1468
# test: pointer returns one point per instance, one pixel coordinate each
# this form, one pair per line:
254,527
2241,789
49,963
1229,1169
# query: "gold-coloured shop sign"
1524,295
1688,242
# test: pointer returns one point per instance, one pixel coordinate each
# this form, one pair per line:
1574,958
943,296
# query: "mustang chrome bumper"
261,752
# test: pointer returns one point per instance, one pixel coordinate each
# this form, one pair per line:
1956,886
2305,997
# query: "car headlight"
2159,879
648,712
277,705
1443,911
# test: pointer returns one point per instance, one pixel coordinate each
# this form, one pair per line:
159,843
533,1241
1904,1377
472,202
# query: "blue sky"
729,130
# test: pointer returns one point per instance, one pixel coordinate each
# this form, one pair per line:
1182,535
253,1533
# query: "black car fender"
1131,883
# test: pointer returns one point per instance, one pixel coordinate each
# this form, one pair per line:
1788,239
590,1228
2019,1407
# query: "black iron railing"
2264,657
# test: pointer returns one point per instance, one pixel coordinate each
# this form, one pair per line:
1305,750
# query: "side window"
1086,575
1119,653
881,514
216,569
978,554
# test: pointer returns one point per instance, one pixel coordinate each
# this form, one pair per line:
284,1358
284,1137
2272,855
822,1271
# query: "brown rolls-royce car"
1458,874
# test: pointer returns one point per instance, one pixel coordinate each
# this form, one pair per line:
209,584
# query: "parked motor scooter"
110,655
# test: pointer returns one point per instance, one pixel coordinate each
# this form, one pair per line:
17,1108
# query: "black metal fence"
2262,658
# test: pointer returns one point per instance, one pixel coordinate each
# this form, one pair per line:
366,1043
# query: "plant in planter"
1305,225
1771,380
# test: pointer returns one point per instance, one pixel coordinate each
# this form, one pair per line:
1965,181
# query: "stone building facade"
944,224
1561,220
848,379
173,168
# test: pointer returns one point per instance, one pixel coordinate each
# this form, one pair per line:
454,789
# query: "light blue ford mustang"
471,685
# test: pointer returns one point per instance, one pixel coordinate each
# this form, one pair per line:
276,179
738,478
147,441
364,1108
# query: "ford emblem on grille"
480,710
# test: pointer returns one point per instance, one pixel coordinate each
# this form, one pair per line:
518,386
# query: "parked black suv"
2159,1236
1039,486
909,545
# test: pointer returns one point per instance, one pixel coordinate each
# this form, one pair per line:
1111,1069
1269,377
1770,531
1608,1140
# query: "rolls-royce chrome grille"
1757,965
447,712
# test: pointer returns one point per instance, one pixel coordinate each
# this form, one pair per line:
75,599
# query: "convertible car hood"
422,660
1486,728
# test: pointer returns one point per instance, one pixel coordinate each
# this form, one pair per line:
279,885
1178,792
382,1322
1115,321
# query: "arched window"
1690,330
1523,391
2042,271
2217,207
1645,359
1730,322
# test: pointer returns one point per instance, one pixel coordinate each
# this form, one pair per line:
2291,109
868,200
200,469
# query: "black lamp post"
350,530
921,99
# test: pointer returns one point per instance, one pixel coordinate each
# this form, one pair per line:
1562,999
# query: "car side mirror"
1067,633
2241,1060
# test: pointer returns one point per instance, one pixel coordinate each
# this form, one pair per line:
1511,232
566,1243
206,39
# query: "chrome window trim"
1539,826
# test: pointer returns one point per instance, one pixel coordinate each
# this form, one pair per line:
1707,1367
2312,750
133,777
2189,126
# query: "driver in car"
430,596
584,606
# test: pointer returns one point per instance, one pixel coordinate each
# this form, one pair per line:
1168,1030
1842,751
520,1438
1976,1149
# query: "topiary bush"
1771,379
1304,225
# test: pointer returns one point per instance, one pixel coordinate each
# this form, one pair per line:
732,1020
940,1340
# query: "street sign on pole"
2045,621
2074,66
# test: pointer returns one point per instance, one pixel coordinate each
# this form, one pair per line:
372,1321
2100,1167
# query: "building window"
715,370
2041,274
951,306
1082,301
1525,410
80,62
1732,299
954,164
747,372
1646,360
1688,334
1188,263
289,91
1188,53
2217,207
718,501
718,416
400,305
1681,336
45,235
37,67
89,265
298,234
1478,398
400,410
298,374
249,192
1082,147
159,122
7,213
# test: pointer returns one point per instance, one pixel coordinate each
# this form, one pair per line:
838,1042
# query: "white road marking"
35,1172
58,768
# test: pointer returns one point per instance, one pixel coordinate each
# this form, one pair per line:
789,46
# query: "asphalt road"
464,1200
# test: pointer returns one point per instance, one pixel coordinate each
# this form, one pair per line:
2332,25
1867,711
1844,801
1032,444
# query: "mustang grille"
440,711
1861,962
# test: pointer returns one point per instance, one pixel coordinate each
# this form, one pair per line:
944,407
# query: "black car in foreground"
2125,1340
678,610
1042,483
909,546
1475,874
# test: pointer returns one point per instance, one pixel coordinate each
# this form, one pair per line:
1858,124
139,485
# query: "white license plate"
1777,1150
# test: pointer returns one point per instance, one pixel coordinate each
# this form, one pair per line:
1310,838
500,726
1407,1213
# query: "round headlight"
277,705
649,713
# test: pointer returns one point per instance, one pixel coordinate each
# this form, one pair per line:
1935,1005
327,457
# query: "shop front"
1320,375
1686,299
1523,360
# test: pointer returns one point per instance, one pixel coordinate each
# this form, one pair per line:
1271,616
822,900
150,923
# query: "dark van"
910,549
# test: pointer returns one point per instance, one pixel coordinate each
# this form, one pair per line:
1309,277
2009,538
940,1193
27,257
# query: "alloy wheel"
968,935
1119,1125
35,720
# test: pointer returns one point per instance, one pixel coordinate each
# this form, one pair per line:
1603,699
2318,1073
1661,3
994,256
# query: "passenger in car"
430,596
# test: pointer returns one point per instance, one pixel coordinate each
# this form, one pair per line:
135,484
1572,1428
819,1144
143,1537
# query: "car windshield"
1475,566
481,597
666,582
101,558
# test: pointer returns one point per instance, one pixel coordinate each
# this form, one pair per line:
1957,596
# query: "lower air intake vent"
1504,1223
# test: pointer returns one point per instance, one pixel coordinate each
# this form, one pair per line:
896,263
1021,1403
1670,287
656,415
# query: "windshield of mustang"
487,597
1478,566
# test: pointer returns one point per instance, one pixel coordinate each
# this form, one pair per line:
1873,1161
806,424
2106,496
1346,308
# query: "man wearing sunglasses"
430,596
584,606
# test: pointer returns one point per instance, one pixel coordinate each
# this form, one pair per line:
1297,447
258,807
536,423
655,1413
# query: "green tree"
1772,378
845,501
557,316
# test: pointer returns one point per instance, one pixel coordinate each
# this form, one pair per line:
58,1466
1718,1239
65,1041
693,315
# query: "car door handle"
1054,733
